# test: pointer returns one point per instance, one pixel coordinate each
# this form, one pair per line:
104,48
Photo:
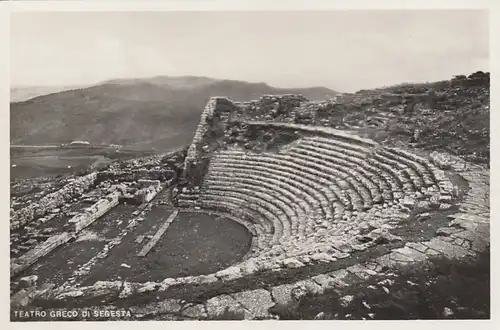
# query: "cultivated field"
31,162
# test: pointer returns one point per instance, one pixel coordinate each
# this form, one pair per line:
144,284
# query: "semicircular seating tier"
313,183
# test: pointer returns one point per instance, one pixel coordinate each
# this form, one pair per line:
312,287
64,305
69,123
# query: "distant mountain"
243,88
173,82
23,93
160,112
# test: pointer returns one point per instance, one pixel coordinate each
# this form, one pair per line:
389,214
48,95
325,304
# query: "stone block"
39,251
411,253
219,305
195,312
257,302
448,249
28,281
282,294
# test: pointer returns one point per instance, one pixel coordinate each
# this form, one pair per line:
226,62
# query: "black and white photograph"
221,165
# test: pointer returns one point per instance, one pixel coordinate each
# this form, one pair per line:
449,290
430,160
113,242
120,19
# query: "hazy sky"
342,50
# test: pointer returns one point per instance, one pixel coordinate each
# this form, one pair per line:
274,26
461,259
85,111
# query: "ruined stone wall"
151,189
26,260
195,170
203,126
281,108
146,183
196,161
219,111
95,211
36,210
78,222
143,174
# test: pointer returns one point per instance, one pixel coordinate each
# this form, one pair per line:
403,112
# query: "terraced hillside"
331,198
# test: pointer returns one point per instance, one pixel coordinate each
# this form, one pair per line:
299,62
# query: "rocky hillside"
160,112
451,116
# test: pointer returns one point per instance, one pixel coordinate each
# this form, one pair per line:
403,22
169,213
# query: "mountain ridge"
160,112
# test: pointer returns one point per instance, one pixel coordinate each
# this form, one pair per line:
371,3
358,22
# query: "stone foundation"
36,210
36,253
79,222
131,176
146,194
94,212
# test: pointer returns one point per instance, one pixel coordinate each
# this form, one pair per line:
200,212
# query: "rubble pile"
160,174
35,216
143,191
450,116
77,223
75,188
26,191
270,107
142,163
